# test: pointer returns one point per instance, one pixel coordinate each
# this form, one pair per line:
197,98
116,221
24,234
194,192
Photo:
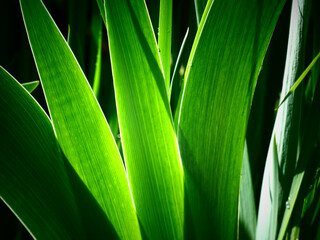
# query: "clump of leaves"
162,161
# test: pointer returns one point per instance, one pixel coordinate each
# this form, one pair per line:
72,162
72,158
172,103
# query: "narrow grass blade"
300,79
147,133
199,6
31,86
177,64
220,80
33,178
247,208
79,123
286,130
164,38
96,27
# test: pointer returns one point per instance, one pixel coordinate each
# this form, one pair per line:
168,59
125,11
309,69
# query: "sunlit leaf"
79,123
147,133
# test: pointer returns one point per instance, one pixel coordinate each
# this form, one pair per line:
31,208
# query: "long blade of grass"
147,133
300,79
79,123
199,6
96,27
220,80
164,38
286,131
33,178
177,64
31,86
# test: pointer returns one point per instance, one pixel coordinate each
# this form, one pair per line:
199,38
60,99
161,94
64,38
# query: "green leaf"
307,146
247,208
33,178
220,80
199,6
80,126
164,38
178,104
176,65
300,79
31,86
97,31
286,131
148,138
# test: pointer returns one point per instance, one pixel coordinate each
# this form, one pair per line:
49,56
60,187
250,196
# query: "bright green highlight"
149,142
82,130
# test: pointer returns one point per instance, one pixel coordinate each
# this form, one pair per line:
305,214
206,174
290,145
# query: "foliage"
161,120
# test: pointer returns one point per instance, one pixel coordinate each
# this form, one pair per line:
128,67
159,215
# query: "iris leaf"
149,143
82,130
220,80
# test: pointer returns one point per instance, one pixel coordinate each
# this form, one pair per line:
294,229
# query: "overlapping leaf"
33,178
148,139
220,79
286,132
164,38
79,123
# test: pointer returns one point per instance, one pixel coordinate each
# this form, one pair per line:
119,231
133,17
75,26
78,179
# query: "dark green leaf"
30,86
220,80
33,178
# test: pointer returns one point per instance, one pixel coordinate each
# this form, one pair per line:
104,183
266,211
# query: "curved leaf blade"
286,130
79,123
300,79
33,178
220,80
148,139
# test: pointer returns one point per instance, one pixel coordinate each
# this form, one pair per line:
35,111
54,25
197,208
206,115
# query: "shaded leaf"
33,178
247,209
286,131
31,86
